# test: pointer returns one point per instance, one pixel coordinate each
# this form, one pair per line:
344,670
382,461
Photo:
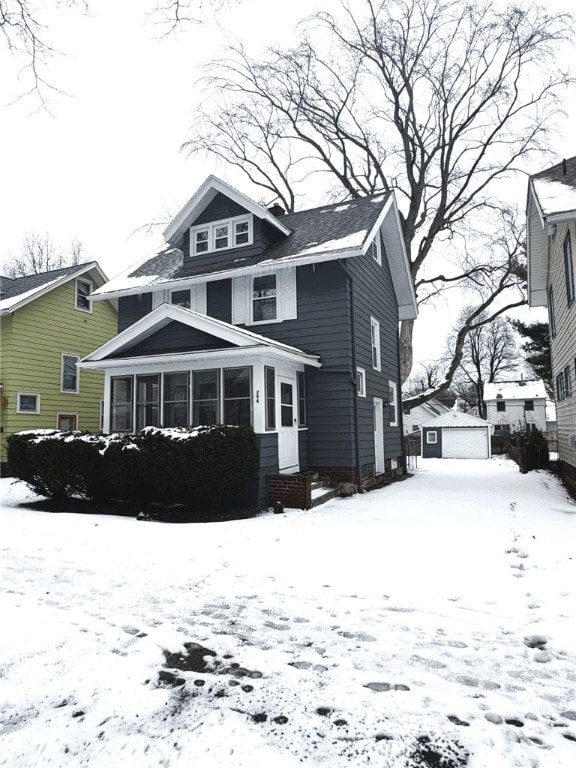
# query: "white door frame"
288,458
378,436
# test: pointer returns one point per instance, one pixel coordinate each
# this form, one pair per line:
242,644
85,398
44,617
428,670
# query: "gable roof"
326,233
515,390
202,197
19,291
456,419
250,342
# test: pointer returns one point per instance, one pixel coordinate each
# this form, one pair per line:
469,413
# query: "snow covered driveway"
430,623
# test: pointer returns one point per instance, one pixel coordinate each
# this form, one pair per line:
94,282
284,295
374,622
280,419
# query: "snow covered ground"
430,623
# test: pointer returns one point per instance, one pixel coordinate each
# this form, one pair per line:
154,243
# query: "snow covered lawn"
430,623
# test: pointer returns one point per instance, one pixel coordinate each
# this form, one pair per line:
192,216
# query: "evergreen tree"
537,350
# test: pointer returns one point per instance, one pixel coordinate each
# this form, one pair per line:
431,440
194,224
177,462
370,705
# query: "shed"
456,435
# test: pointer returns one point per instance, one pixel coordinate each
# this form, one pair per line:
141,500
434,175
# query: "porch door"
378,436
287,426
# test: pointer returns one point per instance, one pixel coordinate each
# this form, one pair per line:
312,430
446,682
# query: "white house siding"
563,345
516,416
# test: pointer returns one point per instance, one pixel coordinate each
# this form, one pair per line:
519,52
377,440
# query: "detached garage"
456,435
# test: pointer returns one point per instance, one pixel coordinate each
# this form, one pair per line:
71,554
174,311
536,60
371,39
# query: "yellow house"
47,324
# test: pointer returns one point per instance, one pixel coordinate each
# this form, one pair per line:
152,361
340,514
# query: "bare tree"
436,99
490,351
39,254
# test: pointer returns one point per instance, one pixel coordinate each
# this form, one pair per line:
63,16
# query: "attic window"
83,290
374,250
221,235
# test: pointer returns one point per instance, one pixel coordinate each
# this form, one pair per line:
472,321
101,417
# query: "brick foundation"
291,490
337,475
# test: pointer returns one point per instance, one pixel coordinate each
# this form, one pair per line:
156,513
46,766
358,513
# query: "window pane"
205,413
286,404
264,286
301,399
264,309
206,385
28,403
182,298
201,242
236,382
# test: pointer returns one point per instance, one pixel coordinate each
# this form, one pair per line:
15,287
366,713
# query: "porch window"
264,299
121,410
69,374
237,396
270,396
206,397
176,388
147,401
301,399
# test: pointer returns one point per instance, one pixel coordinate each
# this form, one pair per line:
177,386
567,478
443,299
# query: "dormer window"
374,250
221,235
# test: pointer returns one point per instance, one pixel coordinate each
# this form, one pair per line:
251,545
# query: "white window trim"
69,391
376,252
211,227
197,297
432,437
361,382
27,394
375,343
278,297
393,386
90,285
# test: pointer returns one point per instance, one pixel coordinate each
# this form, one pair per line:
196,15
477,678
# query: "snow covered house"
286,322
514,405
551,236
415,417
456,435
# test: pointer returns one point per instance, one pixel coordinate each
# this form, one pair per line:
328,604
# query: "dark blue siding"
133,308
432,450
174,337
219,300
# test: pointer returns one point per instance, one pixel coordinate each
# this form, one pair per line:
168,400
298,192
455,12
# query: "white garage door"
464,443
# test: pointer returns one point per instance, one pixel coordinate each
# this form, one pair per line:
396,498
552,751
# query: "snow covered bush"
202,467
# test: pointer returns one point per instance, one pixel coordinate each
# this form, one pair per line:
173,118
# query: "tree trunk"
406,349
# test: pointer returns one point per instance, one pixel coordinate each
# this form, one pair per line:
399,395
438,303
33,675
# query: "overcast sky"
106,159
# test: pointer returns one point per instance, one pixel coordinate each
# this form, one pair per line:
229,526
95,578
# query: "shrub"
203,467
530,450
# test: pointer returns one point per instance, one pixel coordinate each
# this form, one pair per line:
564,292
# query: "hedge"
204,467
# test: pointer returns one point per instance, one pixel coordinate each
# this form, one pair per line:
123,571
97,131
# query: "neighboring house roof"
431,408
19,291
456,419
551,200
240,338
515,390
327,233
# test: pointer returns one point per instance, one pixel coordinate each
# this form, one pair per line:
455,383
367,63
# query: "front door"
378,436
287,426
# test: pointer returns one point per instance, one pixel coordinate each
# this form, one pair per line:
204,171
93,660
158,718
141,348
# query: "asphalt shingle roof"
12,287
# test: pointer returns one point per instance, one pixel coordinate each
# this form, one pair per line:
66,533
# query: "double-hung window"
264,299
83,290
237,396
568,269
69,374
560,387
567,382
528,405
393,404
500,405
375,342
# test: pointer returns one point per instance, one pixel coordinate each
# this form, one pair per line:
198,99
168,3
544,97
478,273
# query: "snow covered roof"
555,190
326,233
19,291
515,390
456,419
